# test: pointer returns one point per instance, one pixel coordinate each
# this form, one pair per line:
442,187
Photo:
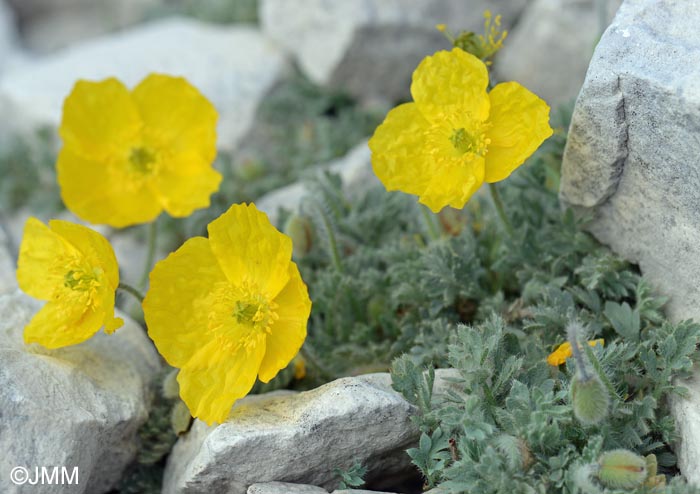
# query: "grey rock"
48,25
354,168
549,49
8,280
632,161
370,48
358,491
8,35
298,438
686,413
78,406
233,66
284,488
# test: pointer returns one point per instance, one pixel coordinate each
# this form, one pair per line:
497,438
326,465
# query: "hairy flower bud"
590,399
622,469
298,228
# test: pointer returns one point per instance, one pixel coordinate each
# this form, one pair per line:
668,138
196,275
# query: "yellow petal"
559,356
519,125
450,79
99,117
400,157
93,246
250,250
288,333
453,183
60,324
214,379
175,306
178,114
186,183
37,254
103,192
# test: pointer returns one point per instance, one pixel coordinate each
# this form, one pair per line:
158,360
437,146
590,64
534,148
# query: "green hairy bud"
622,469
590,399
298,228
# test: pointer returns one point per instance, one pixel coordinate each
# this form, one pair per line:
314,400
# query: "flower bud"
298,228
590,399
171,388
180,418
622,469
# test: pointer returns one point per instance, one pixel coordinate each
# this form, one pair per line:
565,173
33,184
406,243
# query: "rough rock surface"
371,47
284,488
354,168
233,66
686,413
8,281
79,406
298,438
549,49
633,160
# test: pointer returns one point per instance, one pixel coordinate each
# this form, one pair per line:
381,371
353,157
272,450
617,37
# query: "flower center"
240,316
465,142
142,160
81,282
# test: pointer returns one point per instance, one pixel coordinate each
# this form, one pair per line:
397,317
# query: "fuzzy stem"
428,217
332,242
150,253
572,334
500,209
599,371
131,291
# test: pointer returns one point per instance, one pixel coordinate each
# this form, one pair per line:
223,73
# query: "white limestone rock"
79,406
686,413
233,66
8,35
299,438
48,25
370,48
8,280
549,49
284,488
632,161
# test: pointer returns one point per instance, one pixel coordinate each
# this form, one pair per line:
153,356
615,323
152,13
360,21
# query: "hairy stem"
134,292
429,219
150,253
498,203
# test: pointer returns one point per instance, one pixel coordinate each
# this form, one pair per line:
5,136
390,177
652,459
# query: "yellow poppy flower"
74,269
227,309
455,136
563,352
127,156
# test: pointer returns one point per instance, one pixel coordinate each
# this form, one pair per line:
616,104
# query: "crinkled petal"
519,125
449,80
215,378
186,183
400,158
250,250
60,324
103,192
178,114
175,306
37,253
99,118
453,183
288,333
94,247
